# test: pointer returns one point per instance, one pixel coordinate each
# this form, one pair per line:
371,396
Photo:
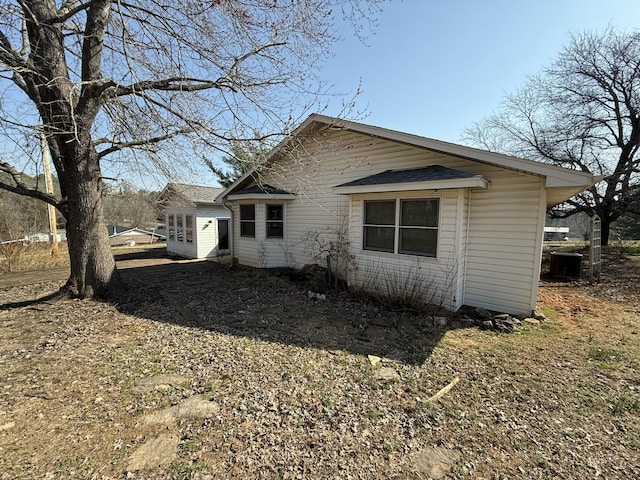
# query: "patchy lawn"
212,372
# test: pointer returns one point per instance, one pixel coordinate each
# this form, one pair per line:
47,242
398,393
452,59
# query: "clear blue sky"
433,67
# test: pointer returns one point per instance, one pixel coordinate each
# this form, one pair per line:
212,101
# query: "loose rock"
154,453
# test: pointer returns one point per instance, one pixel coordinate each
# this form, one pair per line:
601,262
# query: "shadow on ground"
264,306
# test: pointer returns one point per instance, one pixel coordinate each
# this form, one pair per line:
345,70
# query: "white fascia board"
262,196
572,178
557,195
474,182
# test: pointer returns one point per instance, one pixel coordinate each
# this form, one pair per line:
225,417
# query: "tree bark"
68,116
605,230
93,269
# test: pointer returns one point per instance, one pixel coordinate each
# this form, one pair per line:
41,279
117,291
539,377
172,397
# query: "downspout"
456,281
229,206
466,249
537,267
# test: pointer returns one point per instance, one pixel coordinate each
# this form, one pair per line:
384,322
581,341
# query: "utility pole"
53,229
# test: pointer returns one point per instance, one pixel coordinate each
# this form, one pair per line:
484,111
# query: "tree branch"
139,143
21,188
190,84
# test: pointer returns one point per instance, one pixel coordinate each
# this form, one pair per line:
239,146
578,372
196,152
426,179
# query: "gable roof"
195,194
562,183
135,231
113,229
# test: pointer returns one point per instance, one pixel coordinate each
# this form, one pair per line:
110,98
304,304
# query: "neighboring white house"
196,225
41,237
131,236
463,223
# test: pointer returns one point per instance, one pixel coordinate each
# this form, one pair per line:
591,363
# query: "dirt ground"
294,387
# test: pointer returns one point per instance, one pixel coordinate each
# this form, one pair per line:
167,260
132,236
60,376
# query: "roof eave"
559,194
261,196
556,176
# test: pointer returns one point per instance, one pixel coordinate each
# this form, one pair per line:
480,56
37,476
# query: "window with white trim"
275,221
248,220
171,227
403,226
379,225
179,229
188,227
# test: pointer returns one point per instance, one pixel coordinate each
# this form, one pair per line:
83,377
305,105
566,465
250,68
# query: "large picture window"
408,227
275,221
248,220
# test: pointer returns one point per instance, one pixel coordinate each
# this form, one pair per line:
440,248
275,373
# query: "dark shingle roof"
266,189
424,174
193,193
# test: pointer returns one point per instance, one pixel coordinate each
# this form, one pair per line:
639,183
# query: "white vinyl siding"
488,241
380,271
207,230
204,231
502,246
259,251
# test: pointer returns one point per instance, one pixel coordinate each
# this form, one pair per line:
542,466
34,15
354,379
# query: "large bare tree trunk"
605,231
101,87
93,268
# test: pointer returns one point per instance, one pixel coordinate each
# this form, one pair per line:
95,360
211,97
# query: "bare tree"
128,207
583,112
21,216
156,80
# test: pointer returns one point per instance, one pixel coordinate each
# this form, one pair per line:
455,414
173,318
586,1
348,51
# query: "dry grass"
15,257
298,397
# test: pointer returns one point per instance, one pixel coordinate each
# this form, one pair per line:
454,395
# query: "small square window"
380,212
379,238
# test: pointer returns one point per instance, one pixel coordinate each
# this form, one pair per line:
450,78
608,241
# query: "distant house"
556,233
125,235
575,227
41,237
196,225
465,226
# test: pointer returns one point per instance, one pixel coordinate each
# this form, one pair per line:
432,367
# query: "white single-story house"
41,237
126,235
403,212
197,226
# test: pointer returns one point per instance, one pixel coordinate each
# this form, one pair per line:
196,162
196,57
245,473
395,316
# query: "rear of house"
400,212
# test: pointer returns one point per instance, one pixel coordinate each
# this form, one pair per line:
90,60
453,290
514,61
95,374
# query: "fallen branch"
444,390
